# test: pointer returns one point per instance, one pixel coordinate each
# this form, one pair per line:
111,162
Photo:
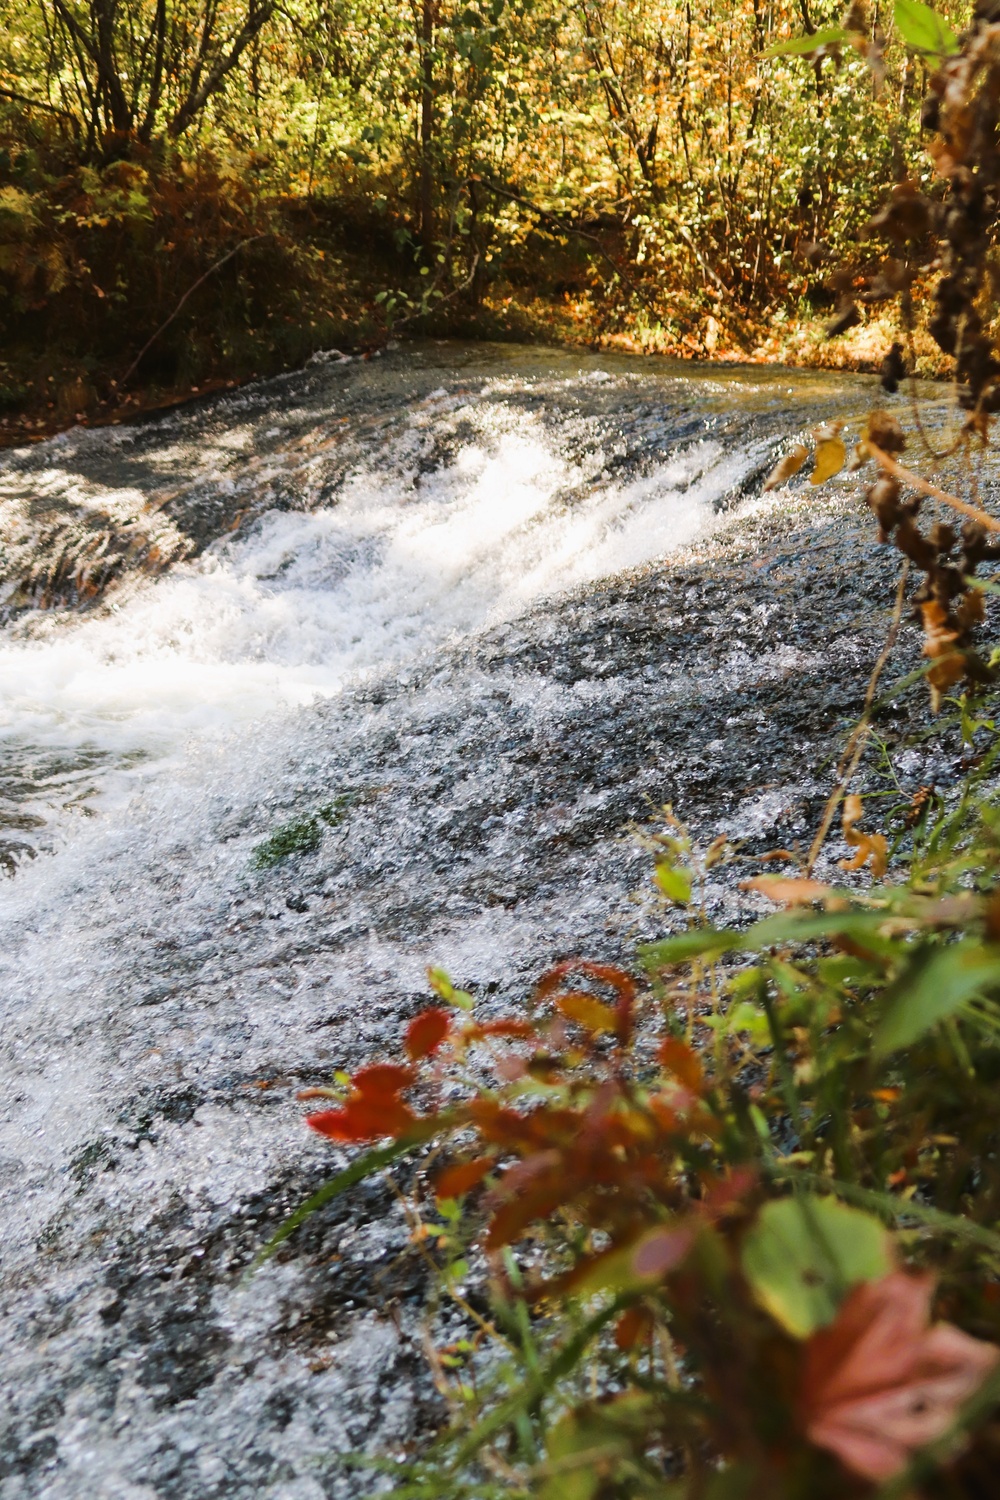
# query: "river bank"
333,298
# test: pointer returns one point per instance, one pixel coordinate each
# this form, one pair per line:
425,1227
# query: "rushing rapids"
496,605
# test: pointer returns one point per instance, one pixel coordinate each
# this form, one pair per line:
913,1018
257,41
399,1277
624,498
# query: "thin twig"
854,749
189,293
907,476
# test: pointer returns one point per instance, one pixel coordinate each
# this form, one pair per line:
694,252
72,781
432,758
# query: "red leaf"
362,1120
635,1324
685,1064
520,1030
383,1081
881,1382
509,1222
659,1252
426,1032
454,1181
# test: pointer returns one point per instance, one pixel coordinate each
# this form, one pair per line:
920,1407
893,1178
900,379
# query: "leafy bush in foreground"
738,1215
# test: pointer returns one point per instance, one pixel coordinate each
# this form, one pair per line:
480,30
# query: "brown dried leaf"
883,429
786,467
940,642
787,890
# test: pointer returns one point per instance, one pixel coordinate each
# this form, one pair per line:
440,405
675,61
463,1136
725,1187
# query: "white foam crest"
305,603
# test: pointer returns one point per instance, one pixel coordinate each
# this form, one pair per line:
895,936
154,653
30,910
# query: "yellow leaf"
587,1012
830,457
786,467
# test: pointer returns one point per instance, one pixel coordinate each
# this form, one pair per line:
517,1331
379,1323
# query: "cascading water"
496,604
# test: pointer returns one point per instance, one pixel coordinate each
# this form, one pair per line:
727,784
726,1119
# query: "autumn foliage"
755,1244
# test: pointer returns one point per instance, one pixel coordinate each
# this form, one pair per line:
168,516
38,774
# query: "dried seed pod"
883,497
893,369
884,431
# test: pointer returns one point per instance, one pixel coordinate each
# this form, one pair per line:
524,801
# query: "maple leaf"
426,1032
881,1381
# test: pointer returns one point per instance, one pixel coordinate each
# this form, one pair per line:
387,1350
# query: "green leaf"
746,1017
827,36
923,30
695,943
674,882
805,1253
441,984
933,988
583,1446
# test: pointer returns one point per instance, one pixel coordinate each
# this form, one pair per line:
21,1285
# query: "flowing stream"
486,607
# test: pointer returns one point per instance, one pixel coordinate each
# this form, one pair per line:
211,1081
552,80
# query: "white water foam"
306,603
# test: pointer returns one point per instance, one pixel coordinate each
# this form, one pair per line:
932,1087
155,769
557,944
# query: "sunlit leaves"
923,30
786,467
831,453
804,46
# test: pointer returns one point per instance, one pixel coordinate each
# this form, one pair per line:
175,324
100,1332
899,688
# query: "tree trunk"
427,18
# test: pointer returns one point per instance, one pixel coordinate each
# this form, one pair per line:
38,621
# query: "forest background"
194,192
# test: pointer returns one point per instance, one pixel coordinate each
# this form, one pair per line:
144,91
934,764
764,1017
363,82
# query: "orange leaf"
785,890
623,984
454,1181
383,1081
881,1382
587,1012
518,1030
634,1325
685,1064
870,846
426,1032
361,1120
